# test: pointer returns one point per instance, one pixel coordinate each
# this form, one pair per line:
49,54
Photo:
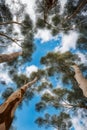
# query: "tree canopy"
57,87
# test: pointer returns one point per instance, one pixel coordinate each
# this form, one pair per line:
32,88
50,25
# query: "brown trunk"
79,7
82,82
9,57
8,108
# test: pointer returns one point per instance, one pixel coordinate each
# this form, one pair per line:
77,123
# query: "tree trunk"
8,108
80,79
9,57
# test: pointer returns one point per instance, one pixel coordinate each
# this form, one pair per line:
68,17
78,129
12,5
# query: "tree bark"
82,82
8,108
9,57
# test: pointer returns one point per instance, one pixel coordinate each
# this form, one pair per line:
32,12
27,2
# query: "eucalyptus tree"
7,109
57,65
8,32
71,17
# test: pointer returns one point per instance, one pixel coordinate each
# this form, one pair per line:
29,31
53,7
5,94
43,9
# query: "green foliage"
43,86
27,25
5,14
57,121
40,23
40,106
7,93
60,63
20,79
56,20
28,47
39,74
47,97
82,43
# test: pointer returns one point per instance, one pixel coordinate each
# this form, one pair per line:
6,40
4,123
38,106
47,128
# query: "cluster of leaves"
59,65
57,121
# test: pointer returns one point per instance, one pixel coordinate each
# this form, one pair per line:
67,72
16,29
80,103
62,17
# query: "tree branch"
11,22
9,57
79,7
14,40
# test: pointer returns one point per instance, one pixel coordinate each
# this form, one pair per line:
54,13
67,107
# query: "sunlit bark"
8,108
9,57
82,82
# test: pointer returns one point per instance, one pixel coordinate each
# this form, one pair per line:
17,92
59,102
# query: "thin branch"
68,105
79,7
56,28
14,40
11,22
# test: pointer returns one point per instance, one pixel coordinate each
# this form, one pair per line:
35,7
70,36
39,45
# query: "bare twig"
14,40
11,22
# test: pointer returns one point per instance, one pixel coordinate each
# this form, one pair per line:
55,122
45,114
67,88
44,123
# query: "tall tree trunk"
8,108
82,82
9,57
79,7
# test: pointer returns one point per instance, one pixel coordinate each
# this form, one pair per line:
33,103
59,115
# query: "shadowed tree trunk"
9,57
82,82
8,108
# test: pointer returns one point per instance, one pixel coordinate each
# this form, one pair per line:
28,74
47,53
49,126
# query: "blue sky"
27,115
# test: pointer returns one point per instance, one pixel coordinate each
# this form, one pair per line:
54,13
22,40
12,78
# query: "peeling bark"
8,108
82,82
9,57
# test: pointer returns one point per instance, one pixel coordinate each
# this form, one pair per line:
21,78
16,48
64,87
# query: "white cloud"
12,48
4,76
30,9
31,69
44,34
62,3
80,120
68,41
